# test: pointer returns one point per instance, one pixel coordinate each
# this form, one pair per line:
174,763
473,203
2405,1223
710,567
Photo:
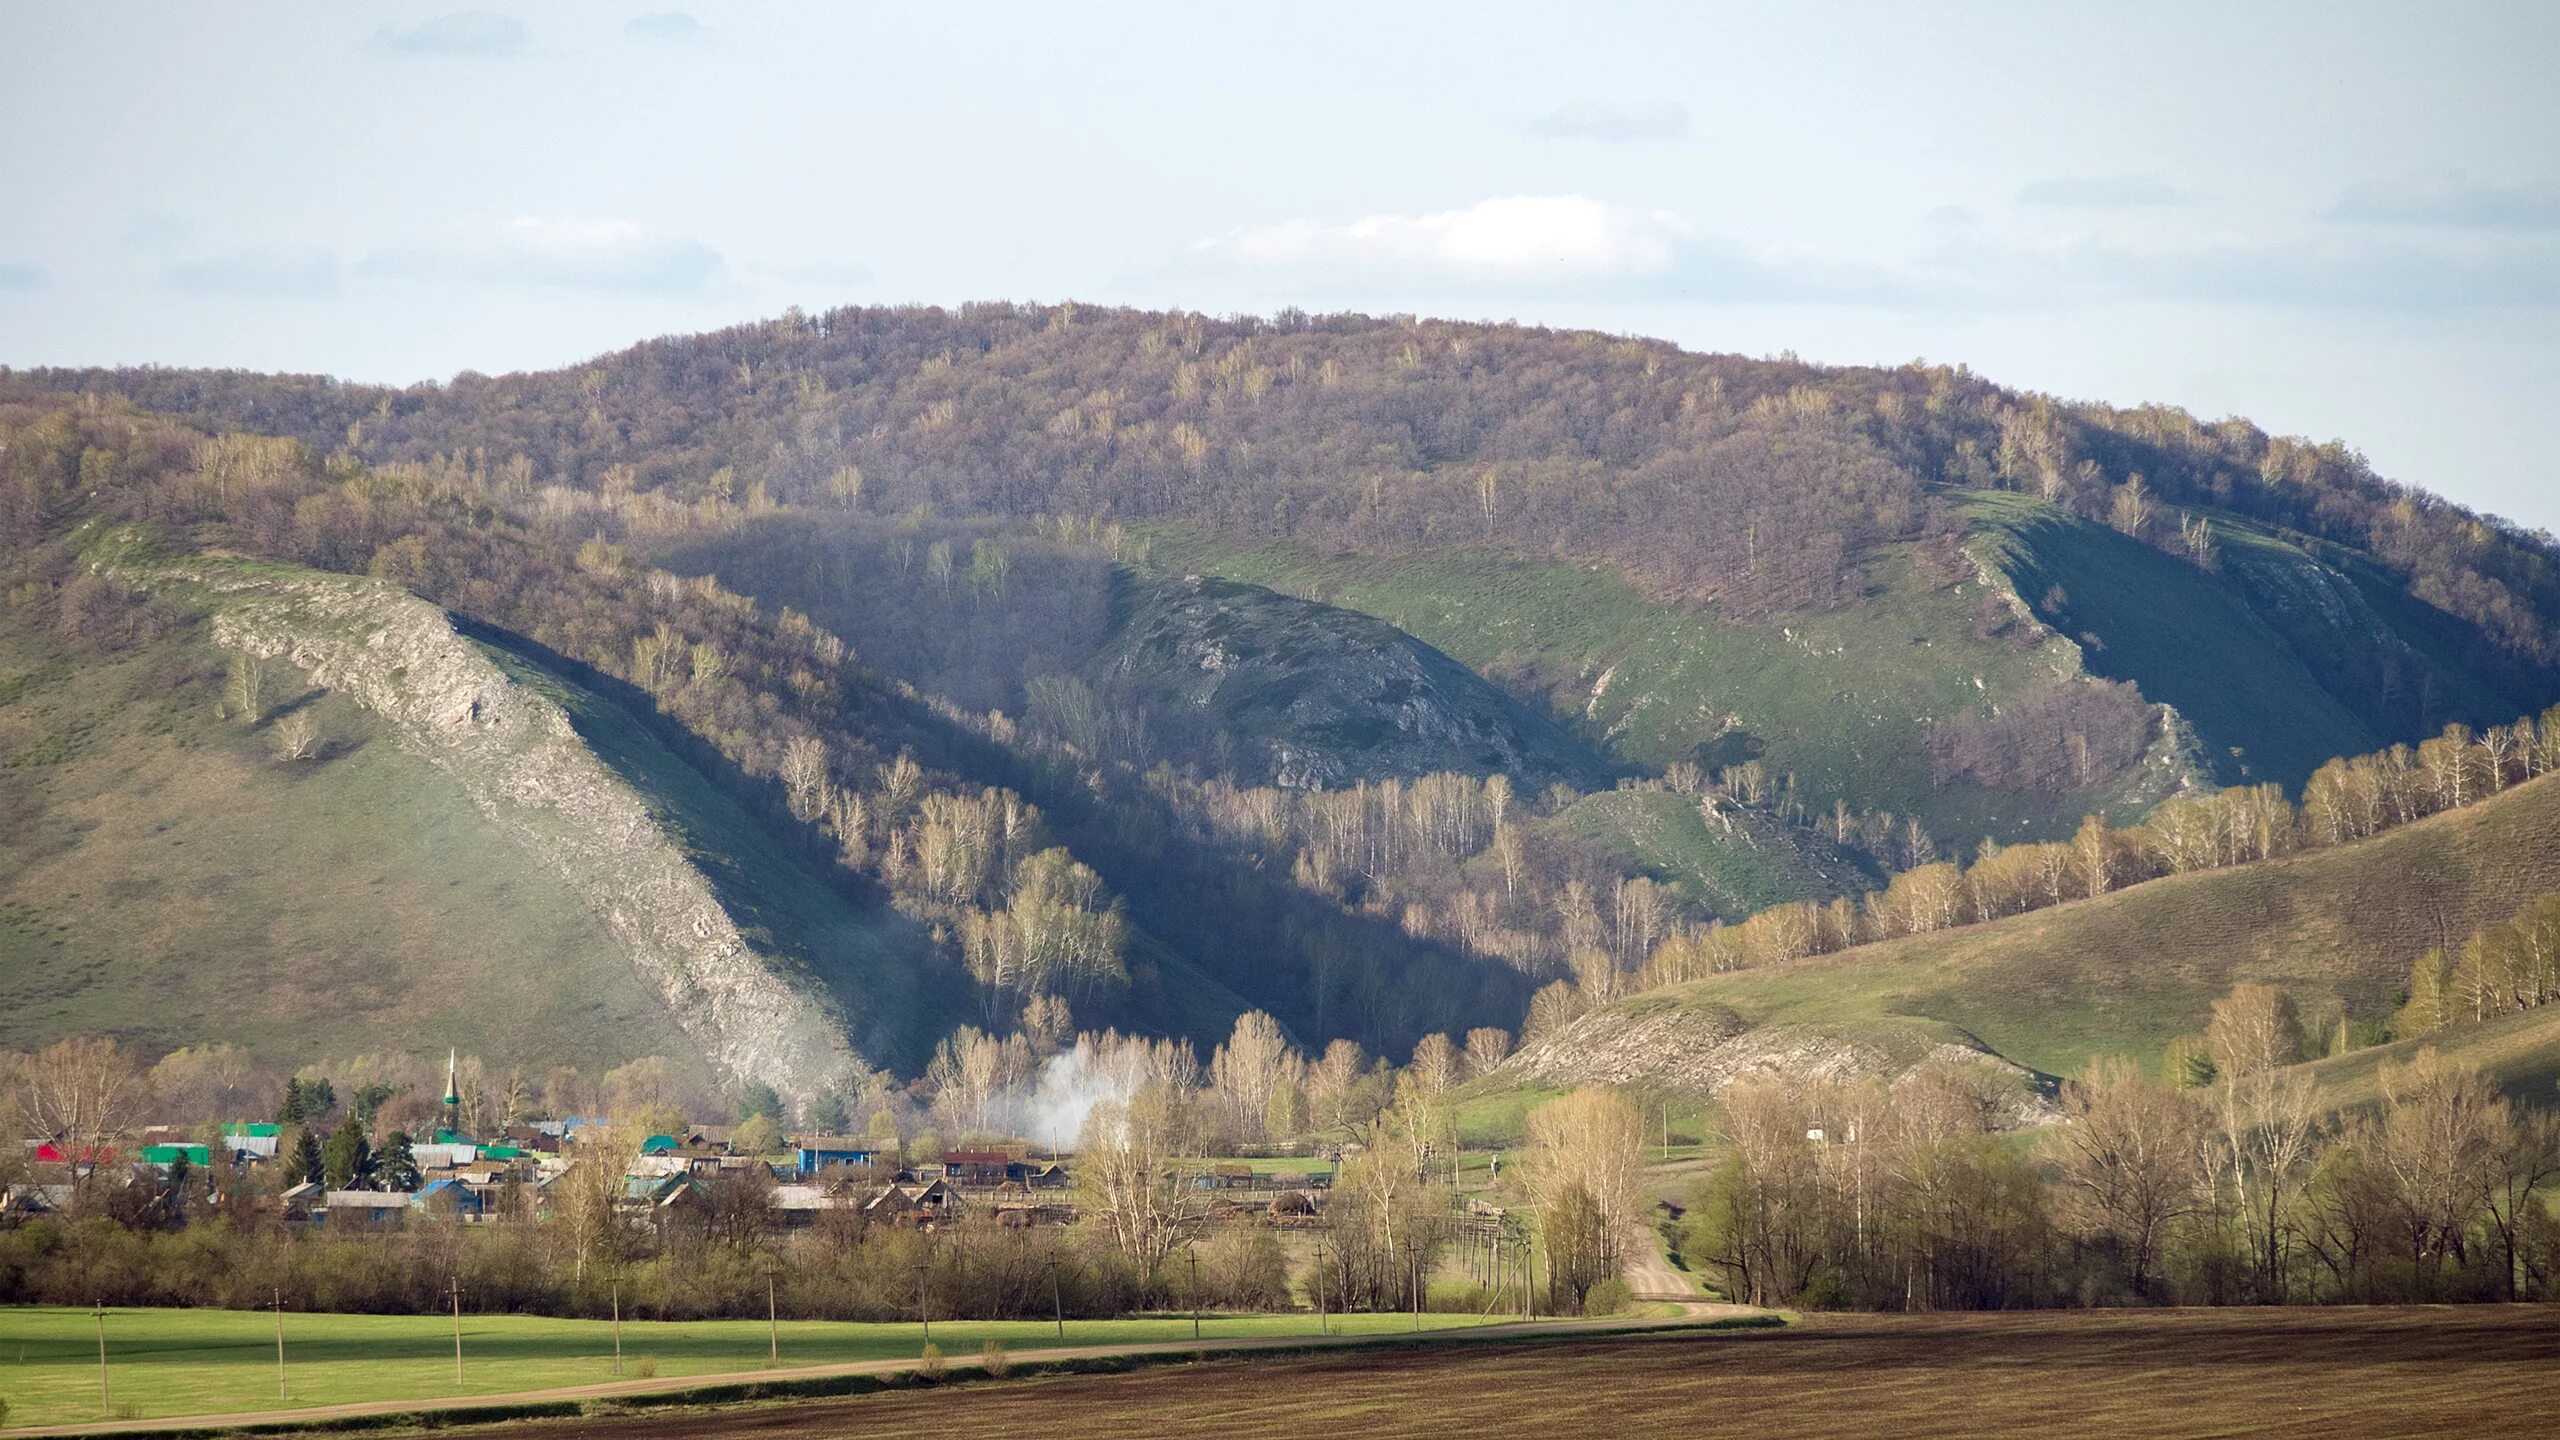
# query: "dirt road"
1651,1276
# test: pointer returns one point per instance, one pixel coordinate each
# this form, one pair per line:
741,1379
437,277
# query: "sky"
2340,220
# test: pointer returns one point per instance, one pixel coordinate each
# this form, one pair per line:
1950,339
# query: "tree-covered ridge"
1758,484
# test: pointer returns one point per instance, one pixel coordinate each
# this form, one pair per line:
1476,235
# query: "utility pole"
1322,1327
772,1324
1192,1253
281,1396
106,1397
1056,1302
617,1323
922,1313
456,1287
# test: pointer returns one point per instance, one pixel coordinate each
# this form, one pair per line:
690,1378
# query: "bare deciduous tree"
297,737
247,689
81,1094
2128,1153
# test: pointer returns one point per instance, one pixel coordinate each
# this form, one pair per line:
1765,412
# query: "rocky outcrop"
1666,1043
1295,693
523,765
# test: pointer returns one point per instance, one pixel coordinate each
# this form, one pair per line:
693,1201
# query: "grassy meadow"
203,1362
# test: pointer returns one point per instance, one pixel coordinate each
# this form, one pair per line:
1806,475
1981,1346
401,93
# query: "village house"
345,1208
815,1153
977,1169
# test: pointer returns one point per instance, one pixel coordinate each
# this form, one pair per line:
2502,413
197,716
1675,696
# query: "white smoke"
1071,1084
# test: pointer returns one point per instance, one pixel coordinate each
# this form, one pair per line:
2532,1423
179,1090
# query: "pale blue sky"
2340,220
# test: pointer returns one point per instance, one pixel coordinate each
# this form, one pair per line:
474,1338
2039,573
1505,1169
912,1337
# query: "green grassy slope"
165,879
2280,658
1843,699
2519,1053
2131,971
1732,868
2185,639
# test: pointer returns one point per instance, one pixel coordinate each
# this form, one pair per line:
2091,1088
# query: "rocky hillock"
1662,1043
1306,695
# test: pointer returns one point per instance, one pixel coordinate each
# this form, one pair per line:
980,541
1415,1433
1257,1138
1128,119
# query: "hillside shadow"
775,877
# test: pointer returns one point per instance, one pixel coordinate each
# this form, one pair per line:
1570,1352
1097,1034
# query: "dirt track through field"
2334,1374
1650,1277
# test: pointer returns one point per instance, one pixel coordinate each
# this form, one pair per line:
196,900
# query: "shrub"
995,1361
648,1369
929,1364
1608,1297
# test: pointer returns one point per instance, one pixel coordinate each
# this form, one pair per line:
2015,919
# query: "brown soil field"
2472,1371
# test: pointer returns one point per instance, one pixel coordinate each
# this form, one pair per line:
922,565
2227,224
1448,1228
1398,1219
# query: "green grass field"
201,1362
2519,1053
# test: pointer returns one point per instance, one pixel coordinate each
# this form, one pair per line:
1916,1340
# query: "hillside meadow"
2128,972
164,877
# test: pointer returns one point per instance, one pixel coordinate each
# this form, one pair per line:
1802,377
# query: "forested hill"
1762,485
1779,501
1370,671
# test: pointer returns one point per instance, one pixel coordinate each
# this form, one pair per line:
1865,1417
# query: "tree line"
2243,1189
1392,1236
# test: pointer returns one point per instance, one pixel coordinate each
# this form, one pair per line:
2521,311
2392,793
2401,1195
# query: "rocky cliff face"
1294,693
514,752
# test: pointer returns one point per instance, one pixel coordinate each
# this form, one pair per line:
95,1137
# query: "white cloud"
464,32
1522,245
23,277
1613,123
2452,199
1515,237
558,252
